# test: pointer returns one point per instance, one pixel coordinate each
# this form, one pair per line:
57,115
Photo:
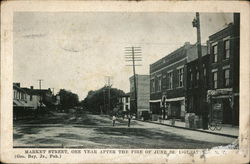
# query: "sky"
77,50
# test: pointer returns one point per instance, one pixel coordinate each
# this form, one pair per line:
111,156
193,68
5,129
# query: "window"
152,85
170,80
226,49
226,78
197,77
164,82
215,54
215,85
180,76
204,70
191,79
159,84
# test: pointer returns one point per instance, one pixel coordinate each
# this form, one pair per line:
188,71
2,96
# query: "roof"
137,75
211,37
36,91
18,88
192,54
173,53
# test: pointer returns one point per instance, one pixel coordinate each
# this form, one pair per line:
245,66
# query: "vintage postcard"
124,82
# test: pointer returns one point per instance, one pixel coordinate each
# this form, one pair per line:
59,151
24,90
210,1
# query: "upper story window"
190,78
215,53
204,70
170,80
164,82
197,76
180,77
226,49
158,84
215,80
152,86
226,78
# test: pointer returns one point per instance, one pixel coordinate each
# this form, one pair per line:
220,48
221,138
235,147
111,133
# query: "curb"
209,132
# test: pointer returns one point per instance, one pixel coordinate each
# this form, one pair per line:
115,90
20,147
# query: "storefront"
176,107
224,106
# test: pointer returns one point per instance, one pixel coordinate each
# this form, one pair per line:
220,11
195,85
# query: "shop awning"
21,103
216,92
16,103
175,99
154,101
168,100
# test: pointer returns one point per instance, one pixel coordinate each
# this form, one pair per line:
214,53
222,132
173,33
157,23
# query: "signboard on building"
216,112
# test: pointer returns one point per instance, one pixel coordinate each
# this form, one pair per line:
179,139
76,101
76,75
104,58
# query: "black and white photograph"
125,80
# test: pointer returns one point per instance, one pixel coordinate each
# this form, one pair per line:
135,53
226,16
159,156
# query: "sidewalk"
226,130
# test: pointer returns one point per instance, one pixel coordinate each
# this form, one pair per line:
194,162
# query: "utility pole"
103,99
109,87
133,54
40,94
196,23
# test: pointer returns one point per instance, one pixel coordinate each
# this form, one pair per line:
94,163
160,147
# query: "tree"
68,99
98,100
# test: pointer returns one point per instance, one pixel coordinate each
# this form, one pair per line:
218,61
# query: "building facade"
143,94
223,93
20,102
126,102
168,82
34,98
196,90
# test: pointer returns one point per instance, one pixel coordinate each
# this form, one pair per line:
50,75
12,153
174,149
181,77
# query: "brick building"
194,94
143,94
223,90
168,82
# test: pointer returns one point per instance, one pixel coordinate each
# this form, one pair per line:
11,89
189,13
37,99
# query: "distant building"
168,81
34,98
124,102
223,90
46,96
20,101
143,94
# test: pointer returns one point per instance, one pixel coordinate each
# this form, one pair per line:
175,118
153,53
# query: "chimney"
187,45
17,84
